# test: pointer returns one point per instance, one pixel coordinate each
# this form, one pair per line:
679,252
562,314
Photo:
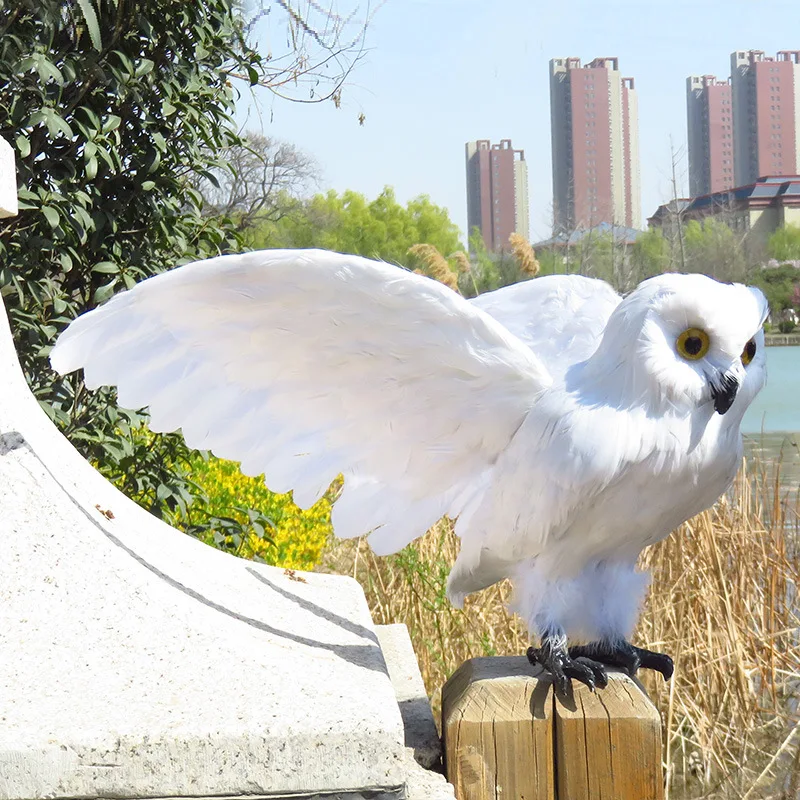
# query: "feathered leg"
558,661
621,653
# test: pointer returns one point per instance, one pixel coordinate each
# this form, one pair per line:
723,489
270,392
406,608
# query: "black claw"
625,656
557,661
598,670
660,662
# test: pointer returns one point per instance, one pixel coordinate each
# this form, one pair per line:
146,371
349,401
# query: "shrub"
266,526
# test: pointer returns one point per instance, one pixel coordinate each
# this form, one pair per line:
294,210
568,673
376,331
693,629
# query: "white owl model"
563,427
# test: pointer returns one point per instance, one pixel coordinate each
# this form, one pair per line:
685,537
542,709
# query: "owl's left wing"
560,317
306,364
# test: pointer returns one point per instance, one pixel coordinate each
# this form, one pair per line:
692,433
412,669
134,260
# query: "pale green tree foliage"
381,228
716,250
784,244
650,254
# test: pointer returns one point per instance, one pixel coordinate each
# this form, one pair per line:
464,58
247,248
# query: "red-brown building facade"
710,129
595,143
766,112
497,191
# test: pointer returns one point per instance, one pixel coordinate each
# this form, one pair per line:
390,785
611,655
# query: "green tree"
784,243
779,286
714,249
117,108
650,254
111,108
349,223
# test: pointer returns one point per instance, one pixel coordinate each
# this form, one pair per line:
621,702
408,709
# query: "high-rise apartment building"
766,114
497,191
710,127
595,140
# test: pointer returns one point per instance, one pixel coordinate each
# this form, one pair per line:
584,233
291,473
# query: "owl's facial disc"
693,345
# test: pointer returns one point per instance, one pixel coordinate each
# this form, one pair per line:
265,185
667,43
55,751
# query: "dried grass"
723,603
435,265
524,254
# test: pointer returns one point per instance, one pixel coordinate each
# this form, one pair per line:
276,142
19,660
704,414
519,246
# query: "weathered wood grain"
608,743
507,736
498,731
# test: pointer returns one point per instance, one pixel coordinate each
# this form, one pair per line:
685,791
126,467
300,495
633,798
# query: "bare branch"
321,47
263,180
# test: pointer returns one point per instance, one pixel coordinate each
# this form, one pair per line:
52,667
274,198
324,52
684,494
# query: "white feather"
553,418
305,364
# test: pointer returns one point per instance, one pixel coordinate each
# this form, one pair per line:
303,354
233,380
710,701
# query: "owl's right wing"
305,364
560,317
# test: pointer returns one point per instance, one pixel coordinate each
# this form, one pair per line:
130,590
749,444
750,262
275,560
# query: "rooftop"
770,190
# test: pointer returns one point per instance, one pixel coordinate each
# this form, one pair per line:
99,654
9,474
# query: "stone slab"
420,729
136,661
424,772
8,181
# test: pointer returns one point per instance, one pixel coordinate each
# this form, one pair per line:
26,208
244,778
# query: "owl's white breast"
597,483
668,471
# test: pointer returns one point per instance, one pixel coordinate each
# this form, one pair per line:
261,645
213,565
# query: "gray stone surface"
426,784
138,662
420,729
424,778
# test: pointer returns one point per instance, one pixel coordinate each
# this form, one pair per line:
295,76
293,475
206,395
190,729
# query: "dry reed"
524,254
723,603
434,265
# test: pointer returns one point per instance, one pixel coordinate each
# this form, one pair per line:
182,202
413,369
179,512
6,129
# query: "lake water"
777,407
772,424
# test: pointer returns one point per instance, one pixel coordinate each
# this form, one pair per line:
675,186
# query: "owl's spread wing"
306,364
560,317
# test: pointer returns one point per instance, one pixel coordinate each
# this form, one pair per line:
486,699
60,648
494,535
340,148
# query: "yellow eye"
693,344
749,352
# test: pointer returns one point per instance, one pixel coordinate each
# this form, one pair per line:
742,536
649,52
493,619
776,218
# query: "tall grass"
723,602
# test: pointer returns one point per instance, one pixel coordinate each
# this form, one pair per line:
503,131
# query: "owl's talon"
625,656
563,668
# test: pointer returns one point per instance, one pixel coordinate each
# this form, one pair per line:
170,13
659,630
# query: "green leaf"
66,261
55,124
51,215
168,108
106,267
91,168
112,123
144,67
104,292
23,145
92,25
47,71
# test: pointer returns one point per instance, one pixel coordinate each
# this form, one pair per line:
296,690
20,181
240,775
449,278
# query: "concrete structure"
766,114
138,662
595,141
497,191
755,210
709,117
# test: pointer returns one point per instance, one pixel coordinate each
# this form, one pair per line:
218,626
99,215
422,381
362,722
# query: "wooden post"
506,735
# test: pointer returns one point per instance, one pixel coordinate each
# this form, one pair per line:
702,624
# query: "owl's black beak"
724,392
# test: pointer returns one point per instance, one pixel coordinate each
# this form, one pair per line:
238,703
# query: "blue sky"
441,72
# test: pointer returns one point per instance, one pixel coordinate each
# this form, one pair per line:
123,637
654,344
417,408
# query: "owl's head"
688,340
